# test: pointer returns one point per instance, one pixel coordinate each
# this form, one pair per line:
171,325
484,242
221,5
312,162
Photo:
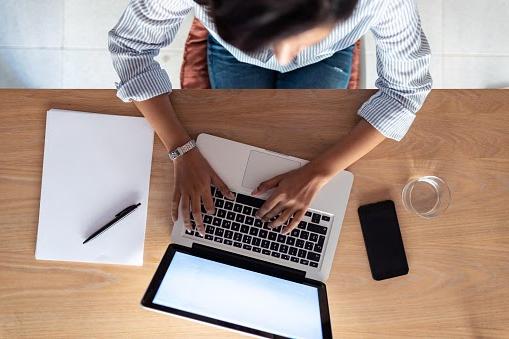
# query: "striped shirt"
402,51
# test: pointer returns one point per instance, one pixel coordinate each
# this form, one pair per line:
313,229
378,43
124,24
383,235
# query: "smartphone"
382,237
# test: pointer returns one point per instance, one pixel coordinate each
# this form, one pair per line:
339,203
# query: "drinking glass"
427,196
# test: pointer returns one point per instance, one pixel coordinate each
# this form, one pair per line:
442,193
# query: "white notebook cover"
94,166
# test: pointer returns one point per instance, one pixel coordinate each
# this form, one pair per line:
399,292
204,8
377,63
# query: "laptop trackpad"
262,166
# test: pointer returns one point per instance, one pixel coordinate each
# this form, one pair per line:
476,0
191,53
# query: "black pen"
119,216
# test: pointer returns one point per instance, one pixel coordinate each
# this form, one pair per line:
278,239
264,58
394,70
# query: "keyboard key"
309,245
278,229
218,239
292,251
216,222
283,248
318,248
250,201
267,252
219,203
221,213
272,236
313,256
304,235
281,238
325,218
302,225
274,246
228,234
266,225
263,234
203,210
316,218
227,242
246,210
253,231
253,212
209,229
321,240
246,239
208,237
228,205
246,247
230,216
249,220
295,232
257,249
294,259
313,237
265,243
244,229
196,234
285,257
218,194
237,208
313,264
227,224
275,254
191,216
304,261
258,223
237,244
301,254
207,219
300,243
308,214
317,228
239,218
237,236
188,232
212,190
256,241
219,232
290,241
235,226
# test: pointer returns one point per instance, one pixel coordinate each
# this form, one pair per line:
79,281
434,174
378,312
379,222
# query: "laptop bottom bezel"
240,261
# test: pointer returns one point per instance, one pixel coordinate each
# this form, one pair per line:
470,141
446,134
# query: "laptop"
241,274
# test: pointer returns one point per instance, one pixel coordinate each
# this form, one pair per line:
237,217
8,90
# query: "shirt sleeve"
144,28
403,59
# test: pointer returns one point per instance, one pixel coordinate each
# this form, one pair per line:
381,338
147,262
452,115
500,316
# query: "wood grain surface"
458,285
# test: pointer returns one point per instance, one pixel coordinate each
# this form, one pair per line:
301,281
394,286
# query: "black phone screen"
382,237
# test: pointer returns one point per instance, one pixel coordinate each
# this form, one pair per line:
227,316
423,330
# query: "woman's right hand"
192,177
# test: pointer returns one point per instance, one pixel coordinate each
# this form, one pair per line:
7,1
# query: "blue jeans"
225,71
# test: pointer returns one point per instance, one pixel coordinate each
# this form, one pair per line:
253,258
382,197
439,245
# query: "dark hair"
252,24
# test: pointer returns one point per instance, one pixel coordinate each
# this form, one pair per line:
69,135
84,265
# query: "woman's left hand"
292,195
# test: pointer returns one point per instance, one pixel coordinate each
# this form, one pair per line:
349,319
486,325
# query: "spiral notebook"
94,166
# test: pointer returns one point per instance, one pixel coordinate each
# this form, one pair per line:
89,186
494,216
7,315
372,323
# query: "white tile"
31,23
88,69
30,68
87,22
171,62
475,72
473,26
431,20
436,70
370,74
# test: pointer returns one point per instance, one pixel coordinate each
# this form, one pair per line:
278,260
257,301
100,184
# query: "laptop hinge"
248,263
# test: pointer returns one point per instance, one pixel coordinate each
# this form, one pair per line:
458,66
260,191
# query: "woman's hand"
192,179
292,195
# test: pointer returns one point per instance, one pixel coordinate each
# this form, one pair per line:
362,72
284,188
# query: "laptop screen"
241,297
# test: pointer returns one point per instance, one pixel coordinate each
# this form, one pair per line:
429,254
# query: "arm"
403,58
144,28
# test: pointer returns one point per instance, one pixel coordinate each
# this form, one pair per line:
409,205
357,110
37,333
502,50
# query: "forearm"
360,141
160,114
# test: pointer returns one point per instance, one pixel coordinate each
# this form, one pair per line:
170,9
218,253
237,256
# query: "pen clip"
126,210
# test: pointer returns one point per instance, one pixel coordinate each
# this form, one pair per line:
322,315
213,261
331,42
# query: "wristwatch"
181,150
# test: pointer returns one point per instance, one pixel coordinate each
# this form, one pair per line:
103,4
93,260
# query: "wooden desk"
458,284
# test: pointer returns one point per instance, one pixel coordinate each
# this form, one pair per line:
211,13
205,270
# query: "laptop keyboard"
234,224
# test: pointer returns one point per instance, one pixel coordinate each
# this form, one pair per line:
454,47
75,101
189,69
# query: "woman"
275,44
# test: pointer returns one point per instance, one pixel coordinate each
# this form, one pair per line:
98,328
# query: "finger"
297,217
275,211
283,217
185,212
267,206
219,183
208,202
196,210
175,205
267,185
